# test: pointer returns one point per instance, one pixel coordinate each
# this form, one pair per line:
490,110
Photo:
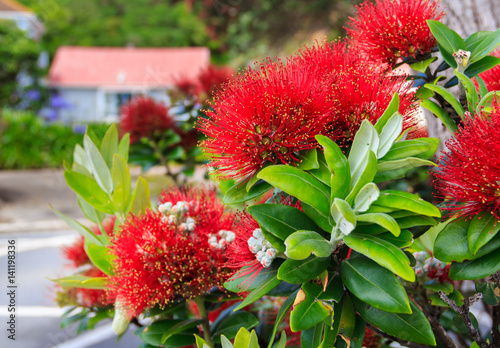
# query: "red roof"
77,66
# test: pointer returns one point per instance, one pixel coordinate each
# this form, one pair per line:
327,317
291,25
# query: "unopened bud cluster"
221,239
175,215
428,266
260,246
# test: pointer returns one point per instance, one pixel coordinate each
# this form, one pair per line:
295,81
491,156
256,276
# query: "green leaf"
339,166
239,194
244,281
404,240
300,271
200,342
481,230
122,184
446,37
323,173
301,244
243,338
280,220
440,113
482,43
412,327
225,342
82,282
448,96
451,243
109,145
90,191
89,211
343,216
309,160
140,198
392,108
99,167
252,181
407,201
282,341
285,307
347,317
123,146
101,258
311,338
365,175
80,157
89,236
481,267
423,148
308,312
483,89
365,140
382,252
366,196
381,219
299,184
375,285
447,288
154,334
180,327
359,333
448,59
317,217
470,89
259,292
389,134
422,66
231,324
473,70
424,93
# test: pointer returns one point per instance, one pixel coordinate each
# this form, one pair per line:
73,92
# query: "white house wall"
83,105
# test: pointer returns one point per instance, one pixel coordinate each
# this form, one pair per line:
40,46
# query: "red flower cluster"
492,76
174,253
391,29
207,81
144,117
468,176
266,115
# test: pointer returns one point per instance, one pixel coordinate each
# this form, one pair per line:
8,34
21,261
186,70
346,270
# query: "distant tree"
18,53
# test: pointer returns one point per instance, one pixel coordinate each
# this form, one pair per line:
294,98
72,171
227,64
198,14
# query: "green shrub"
27,141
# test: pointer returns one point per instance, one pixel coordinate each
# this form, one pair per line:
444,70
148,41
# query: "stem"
164,163
200,302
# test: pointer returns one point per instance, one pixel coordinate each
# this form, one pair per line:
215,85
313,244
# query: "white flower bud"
271,253
120,320
260,255
254,245
257,233
266,262
165,208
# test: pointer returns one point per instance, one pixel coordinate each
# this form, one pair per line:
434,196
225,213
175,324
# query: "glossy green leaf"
80,157
82,282
481,230
299,184
123,146
440,113
423,148
382,252
244,281
407,201
301,244
470,90
366,196
481,267
280,220
90,191
343,215
392,108
180,327
482,43
347,318
322,173
423,93
320,219
89,211
412,327
300,271
100,169
422,66
230,325
109,145
446,37
448,59
391,170
375,285
447,288
416,220
239,194
101,258
309,311
154,334
89,236
339,166
276,242
389,134
483,89
405,239
243,338
311,338
140,198
200,342
122,184
309,160
257,293
476,68
282,341
359,333
384,220
365,140
252,181
451,243
225,342
282,313
365,175
448,96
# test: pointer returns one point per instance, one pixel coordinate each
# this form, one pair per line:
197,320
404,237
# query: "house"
24,17
96,81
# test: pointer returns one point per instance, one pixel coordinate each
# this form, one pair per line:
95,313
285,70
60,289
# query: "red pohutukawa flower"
360,89
391,29
492,76
267,115
468,176
144,117
212,78
176,252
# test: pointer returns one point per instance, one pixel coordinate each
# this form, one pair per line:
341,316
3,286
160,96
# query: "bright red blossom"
267,115
391,29
212,78
144,117
468,177
492,76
